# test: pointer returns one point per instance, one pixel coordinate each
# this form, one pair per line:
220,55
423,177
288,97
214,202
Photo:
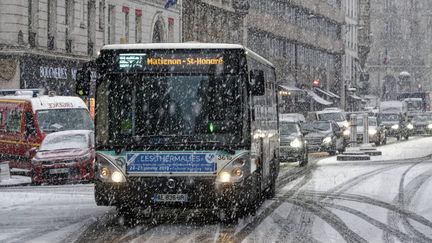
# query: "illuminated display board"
179,62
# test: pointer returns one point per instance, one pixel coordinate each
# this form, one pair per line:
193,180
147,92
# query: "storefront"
52,73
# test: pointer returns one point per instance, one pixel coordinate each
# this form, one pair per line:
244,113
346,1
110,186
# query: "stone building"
304,40
214,20
44,42
401,31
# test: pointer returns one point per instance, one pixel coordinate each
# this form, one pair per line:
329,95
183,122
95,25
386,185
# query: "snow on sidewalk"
415,148
15,180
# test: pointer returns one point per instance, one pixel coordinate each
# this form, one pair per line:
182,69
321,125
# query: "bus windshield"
186,107
331,116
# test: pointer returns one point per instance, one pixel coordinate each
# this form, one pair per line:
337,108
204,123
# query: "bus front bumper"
188,192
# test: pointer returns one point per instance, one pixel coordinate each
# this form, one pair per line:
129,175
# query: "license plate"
59,171
170,198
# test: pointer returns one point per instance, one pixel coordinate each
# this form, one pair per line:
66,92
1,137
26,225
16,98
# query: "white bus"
187,125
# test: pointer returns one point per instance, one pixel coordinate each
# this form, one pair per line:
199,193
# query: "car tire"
332,153
305,160
406,137
377,143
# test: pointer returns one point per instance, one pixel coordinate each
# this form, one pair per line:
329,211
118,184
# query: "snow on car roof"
46,102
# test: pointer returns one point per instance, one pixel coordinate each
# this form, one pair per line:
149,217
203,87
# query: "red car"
64,156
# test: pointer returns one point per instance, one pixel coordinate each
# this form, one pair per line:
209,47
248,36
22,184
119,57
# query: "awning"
318,99
328,93
355,97
290,88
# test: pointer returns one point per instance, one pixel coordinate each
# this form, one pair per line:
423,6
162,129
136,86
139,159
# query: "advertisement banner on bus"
176,162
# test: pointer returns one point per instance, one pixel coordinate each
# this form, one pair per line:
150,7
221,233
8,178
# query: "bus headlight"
429,126
104,172
118,177
410,126
296,143
395,127
327,140
372,132
224,177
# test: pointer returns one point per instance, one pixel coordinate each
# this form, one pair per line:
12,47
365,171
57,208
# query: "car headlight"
372,132
346,132
410,126
395,127
429,126
224,177
327,140
296,143
346,124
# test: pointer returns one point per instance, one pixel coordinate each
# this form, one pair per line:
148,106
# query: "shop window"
13,121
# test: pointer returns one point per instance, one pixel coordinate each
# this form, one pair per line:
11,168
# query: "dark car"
64,156
324,136
396,125
292,143
422,123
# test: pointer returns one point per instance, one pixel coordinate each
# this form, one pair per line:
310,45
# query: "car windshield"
336,116
55,120
389,117
371,121
175,106
64,141
422,118
317,126
289,128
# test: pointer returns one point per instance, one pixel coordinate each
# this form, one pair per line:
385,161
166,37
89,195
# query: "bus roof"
187,45
46,102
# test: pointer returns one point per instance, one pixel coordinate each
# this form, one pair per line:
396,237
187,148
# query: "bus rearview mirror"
257,82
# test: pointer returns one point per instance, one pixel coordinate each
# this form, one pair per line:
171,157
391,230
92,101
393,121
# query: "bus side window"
13,121
30,125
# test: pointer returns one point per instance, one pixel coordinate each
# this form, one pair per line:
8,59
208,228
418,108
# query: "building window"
33,8
170,29
52,22
125,10
138,25
83,14
91,26
111,24
69,21
101,14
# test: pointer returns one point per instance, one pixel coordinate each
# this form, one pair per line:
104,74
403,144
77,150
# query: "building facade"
350,61
44,42
401,33
304,41
214,20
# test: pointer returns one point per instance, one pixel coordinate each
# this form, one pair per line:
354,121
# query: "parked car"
422,123
325,136
27,116
395,125
64,156
293,147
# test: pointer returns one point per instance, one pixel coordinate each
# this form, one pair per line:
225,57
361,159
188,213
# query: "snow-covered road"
384,200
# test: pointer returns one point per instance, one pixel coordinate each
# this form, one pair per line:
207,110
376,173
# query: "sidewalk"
16,180
414,148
